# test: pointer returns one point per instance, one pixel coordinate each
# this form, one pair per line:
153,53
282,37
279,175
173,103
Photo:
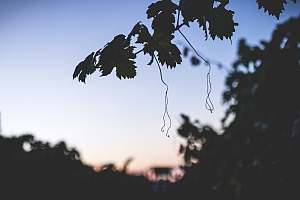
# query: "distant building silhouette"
160,177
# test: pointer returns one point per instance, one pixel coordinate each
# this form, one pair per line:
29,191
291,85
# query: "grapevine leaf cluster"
220,19
167,17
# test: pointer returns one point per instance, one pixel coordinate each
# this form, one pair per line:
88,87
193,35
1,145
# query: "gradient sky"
108,120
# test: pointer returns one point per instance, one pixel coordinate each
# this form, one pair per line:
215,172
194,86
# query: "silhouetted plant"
257,156
33,169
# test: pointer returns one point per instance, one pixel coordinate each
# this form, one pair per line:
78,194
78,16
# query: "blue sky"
108,120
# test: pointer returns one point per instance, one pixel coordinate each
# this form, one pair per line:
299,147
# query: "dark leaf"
144,36
274,7
162,13
194,9
126,69
83,68
221,23
125,66
135,30
220,19
202,23
111,52
164,22
168,53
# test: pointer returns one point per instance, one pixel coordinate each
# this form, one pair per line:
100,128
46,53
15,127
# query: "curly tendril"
166,113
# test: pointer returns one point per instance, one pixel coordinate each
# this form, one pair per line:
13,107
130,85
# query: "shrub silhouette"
257,156
44,172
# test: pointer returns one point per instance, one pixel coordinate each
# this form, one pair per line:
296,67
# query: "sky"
109,120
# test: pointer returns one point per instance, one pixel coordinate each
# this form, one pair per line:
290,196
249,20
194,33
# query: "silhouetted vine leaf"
219,19
146,38
116,54
221,23
83,68
162,13
192,10
126,68
274,7
167,52
135,30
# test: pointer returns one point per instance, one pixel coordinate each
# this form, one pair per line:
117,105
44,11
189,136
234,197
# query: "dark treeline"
35,170
256,157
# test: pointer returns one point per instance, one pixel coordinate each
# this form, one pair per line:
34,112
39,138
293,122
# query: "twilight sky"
108,120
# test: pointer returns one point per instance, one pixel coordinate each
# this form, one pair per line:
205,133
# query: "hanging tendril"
208,103
166,112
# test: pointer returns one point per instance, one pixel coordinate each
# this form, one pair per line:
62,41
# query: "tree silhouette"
257,156
32,169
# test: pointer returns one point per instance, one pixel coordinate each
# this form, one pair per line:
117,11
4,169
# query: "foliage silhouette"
167,17
33,169
257,156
